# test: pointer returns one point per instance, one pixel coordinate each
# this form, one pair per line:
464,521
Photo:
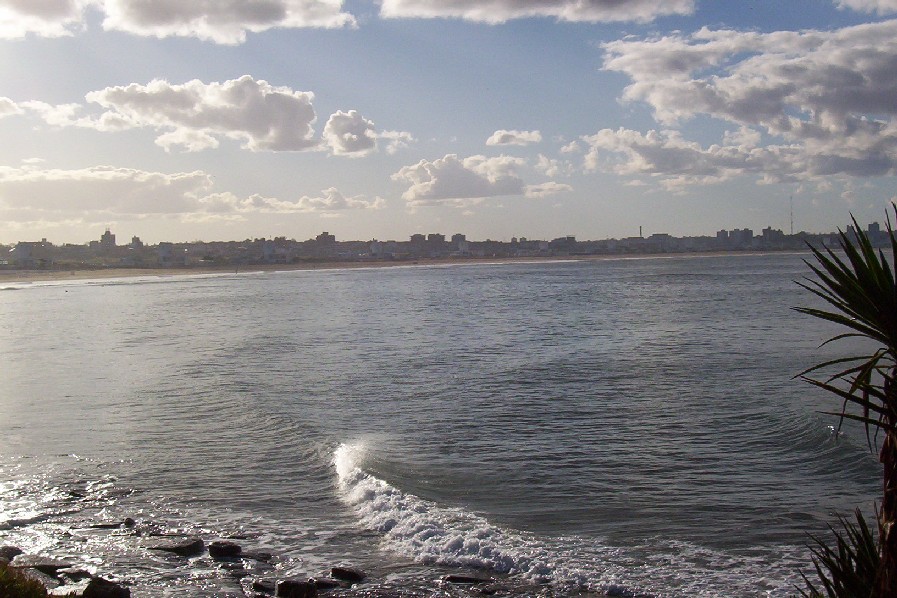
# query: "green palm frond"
859,289
849,569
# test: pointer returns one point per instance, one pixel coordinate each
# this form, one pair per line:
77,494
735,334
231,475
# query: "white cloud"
396,140
877,6
101,189
571,148
195,114
329,201
546,189
551,167
349,133
224,22
8,107
500,11
55,194
503,137
452,178
824,99
45,18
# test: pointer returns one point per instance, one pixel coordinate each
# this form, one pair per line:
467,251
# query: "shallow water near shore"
625,424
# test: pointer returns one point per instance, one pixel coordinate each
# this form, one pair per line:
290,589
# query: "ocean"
629,426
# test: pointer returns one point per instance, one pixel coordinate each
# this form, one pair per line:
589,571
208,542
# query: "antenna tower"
791,205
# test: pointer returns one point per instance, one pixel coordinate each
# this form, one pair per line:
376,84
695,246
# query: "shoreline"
16,276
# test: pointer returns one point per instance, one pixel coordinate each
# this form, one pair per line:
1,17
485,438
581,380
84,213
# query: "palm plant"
862,297
849,569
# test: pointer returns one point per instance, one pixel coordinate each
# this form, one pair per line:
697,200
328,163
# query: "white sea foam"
437,535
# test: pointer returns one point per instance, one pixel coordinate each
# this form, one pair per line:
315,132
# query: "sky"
220,120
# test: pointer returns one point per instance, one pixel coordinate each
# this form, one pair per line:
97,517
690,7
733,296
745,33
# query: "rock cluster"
61,578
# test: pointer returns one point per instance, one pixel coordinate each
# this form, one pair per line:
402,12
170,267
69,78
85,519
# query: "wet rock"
103,588
185,547
114,525
262,557
466,579
9,552
350,574
42,578
327,583
296,588
42,564
264,585
223,549
73,575
72,590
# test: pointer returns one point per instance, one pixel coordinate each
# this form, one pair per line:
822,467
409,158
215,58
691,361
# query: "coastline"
16,276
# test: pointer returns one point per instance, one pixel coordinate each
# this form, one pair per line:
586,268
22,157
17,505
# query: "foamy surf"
432,534
436,535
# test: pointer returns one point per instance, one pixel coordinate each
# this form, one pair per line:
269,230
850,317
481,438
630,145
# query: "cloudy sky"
228,119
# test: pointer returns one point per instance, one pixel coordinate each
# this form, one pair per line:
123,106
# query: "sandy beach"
24,276
61,275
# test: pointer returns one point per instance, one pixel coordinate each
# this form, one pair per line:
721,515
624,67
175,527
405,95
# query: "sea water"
630,425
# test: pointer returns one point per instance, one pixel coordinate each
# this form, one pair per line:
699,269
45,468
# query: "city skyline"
385,119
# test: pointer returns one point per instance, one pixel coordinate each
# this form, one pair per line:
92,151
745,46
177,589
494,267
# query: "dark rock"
264,585
103,588
185,547
350,574
296,588
262,557
42,578
224,549
105,525
70,590
42,564
73,575
466,579
128,522
327,583
10,552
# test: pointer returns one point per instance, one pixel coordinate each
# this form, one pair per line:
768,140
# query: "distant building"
107,240
326,238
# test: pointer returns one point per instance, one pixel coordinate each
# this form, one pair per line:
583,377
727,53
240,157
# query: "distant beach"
59,274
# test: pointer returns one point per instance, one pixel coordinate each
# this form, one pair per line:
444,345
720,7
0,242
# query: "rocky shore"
254,573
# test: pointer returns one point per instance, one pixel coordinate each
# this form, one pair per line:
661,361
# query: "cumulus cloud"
349,133
501,11
195,114
681,162
45,18
396,140
101,189
8,107
552,167
220,22
452,178
329,201
124,192
871,6
502,137
823,99
546,189
211,20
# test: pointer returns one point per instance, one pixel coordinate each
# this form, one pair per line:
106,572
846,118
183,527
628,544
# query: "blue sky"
216,120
